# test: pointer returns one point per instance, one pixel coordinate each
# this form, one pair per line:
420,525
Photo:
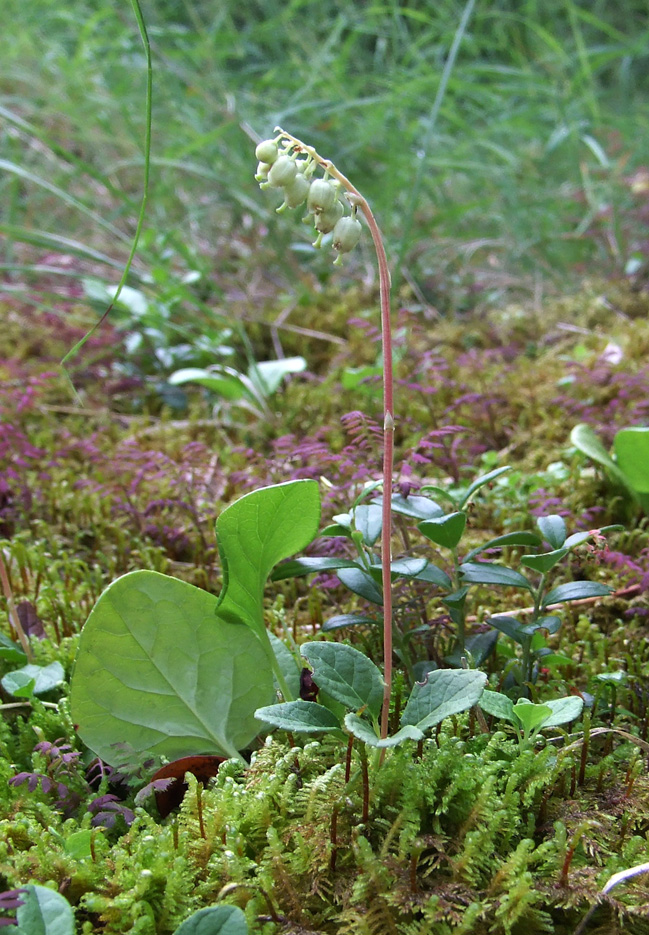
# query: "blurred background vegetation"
521,168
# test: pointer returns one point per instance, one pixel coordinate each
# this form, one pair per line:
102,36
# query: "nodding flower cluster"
282,166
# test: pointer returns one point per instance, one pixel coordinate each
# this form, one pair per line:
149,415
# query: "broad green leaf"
415,507
304,717
364,731
584,439
510,538
445,531
481,481
631,448
550,623
254,534
168,668
78,844
309,566
497,705
267,375
408,567
337,530
478,647
43,912
553,529
349,620
576,591
531,715
215,920
510,626
490,573
545,562
361,582
563,710
44,679
158,669
431,574
368,520
352,377
11,652
444,692
346,674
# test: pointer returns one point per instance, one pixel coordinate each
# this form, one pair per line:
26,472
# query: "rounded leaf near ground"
444,692
445,531
43,912
215,920
302,717
346,674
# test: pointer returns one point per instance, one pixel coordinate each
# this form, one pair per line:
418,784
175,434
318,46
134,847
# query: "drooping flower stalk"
345,235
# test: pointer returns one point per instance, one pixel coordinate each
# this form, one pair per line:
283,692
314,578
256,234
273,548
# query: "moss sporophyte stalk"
288,164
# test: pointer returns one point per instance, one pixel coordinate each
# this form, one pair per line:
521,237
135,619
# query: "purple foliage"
10,900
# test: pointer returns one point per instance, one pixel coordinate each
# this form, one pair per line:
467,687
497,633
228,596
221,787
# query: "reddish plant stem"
358,201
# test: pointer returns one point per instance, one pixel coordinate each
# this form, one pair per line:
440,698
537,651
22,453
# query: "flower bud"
326,221
347,233
262,171
297,191
322,196
282,172
267,151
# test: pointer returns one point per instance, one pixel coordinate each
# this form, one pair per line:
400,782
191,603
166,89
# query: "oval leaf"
631,448
302,717
361,583
363,731
445,531
43,912
309,566
490,573
340,621
564,710
215,920
346,674
44,679
576,591
544,562
445,692
509,539
553,529
497,705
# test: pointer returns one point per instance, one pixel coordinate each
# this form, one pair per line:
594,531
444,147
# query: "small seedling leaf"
43,912
215,920
497,705
303,717
346,674
444,692
489,573
33,680
576,591
563,710
530,715
445,531
364,731
553,529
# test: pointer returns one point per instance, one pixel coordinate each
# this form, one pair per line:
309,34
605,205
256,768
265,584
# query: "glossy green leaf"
346,674
267,375
340,621
33,680
585,439
309,566
304,717
224,381
78,844
545,562
368,520
415,507
477,648
408,567
490,573
550,623
575,591
510,626
631,448
481,481
531,715
509,539
43,912
445,531
169,668
497,705
215,920
553,529
364,731
444,692
361,583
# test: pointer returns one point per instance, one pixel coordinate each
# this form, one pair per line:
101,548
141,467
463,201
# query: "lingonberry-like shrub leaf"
346,674
443,692
173,670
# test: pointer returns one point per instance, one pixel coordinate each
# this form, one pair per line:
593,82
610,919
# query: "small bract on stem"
327,210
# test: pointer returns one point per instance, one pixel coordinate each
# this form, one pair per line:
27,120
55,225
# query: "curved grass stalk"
357,200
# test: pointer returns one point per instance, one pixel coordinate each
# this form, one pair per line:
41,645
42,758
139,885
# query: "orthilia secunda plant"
333,205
